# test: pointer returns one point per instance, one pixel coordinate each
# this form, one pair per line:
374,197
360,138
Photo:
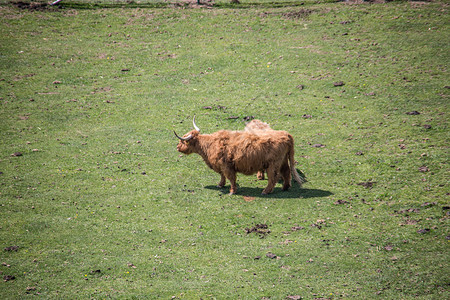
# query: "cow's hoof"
264,193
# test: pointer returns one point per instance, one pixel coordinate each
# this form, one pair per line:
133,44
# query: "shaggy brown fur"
231,152
256,126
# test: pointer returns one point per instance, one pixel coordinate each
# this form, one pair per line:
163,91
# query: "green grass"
101,205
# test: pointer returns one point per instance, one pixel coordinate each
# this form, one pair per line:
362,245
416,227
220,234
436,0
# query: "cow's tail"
297,177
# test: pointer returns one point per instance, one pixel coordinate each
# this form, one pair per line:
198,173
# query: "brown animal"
230,152
256,126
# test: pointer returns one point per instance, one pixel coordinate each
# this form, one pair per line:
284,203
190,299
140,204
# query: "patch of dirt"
249,198
299,14
409,222
408,210
367,185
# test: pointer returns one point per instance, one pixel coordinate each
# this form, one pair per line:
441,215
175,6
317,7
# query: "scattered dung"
413,113
261,229
8,278
12,248
367,185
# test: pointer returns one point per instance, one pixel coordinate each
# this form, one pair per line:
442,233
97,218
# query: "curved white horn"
183,138
195,125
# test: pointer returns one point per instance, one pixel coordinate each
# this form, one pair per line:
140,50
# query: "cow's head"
188,141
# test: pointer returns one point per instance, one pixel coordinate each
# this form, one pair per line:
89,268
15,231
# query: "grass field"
95,201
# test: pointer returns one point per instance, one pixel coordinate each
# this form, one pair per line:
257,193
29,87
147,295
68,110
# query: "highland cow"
231,152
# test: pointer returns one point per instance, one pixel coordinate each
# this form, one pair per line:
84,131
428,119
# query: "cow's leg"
231,176
260,175
272,178
222,181
286,175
